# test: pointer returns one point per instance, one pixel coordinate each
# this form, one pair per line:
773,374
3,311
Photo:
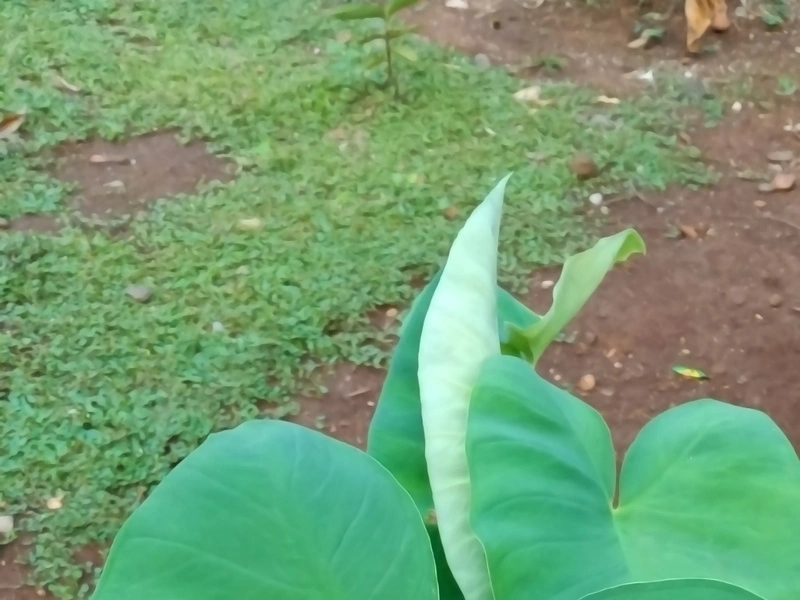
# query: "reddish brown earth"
726,301
119,180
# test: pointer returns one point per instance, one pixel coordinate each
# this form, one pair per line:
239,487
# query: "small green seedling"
786,86
775,13
481,480
387,35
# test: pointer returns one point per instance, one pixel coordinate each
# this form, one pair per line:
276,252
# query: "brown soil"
592,41
120,179
726,301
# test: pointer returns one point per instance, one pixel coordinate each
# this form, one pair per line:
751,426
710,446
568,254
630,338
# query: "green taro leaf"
675,589
396,438
707,490
395,6
512,313
460,332
273,510
580,277
358,12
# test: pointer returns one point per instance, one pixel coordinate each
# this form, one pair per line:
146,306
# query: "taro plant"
482,481
387,36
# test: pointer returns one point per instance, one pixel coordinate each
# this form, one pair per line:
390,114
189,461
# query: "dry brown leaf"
253,224
9,124
64,84
688,231
783,182
780,156
750,175
639,43
104,159
531,96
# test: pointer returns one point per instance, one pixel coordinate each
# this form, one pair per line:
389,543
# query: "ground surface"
255,283
726,301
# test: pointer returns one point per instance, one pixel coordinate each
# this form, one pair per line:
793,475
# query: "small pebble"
587,383
736,106
140,293
6,524
116,185
583,166
759,204
617,365
607,392
253,224
450,213
781,156
596,199
604,210
775,300
217,327
547,284
54,503
391,313
482,61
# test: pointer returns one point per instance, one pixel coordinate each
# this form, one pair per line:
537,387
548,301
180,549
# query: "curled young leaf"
580,277
459,333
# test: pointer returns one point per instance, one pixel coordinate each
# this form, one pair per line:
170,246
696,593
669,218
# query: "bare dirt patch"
118,180
13,575
726,301
723,296
591,41
346,410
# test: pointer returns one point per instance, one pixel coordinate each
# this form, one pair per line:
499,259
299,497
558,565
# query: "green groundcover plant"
481,481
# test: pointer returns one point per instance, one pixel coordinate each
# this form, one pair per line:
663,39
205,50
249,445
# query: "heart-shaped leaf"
273,510
707,490
675,589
